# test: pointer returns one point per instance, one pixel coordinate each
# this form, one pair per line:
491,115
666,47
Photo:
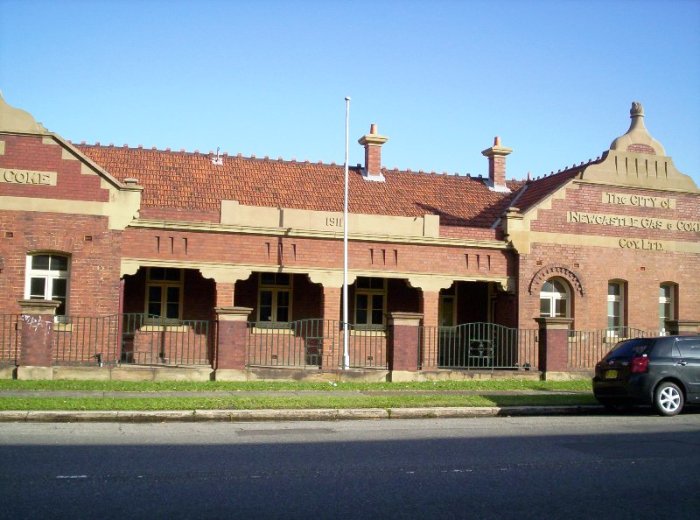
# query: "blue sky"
268,78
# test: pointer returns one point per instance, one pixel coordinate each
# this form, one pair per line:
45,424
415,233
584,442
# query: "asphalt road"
634,466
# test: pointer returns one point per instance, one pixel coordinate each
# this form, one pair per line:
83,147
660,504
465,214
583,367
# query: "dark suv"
663,372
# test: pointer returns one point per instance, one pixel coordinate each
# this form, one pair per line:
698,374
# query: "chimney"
497,165
373,154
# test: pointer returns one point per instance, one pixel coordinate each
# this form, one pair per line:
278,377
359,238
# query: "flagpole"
346,331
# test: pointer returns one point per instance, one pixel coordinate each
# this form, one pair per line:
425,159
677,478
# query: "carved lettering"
641,244
334,222
640,201
579,217
14,176
688,226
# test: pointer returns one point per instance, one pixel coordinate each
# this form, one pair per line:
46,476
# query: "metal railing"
150,340
9,339
313,343
81,340
478,346
587,347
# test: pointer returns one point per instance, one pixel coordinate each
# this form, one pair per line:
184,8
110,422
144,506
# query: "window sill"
163,328
277,331
62,327
380,333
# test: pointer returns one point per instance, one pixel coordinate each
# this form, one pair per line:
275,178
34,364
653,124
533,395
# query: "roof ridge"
566,170
183,151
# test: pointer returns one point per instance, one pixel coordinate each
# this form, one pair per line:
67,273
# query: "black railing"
9,339
587,347
153,340
86,341
313,343
478,346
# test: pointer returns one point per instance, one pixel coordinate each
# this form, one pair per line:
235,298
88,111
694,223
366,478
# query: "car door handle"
682,363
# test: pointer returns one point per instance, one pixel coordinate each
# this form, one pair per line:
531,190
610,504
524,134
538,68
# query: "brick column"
232,332
683,327
553,345
402,344
225,294
36,339
431,336
332,350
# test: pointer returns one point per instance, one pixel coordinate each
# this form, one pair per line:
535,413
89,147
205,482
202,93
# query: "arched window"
47,279
555,301
667,305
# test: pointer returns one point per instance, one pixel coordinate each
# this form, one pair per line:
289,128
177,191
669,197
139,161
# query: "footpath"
313,414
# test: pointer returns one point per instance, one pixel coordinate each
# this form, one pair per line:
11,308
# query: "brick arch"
555,270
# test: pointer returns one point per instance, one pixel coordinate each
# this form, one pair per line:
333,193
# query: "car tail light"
639,365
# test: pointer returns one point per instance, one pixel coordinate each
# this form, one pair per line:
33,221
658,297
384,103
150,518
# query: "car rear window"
630,348
689,347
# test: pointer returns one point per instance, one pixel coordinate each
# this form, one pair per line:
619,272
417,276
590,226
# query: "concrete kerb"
322,414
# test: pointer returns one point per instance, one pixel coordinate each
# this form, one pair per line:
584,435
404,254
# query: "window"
47,279
554,299
667,311
274,301
616,306
446,310
370,297
164,290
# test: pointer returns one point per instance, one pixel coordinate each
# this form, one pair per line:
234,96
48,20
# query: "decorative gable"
41,172
638,160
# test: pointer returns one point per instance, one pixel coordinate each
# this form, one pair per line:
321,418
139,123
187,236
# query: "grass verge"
276,394
580,385
314,401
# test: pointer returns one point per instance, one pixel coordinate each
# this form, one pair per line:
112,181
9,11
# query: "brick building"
231,261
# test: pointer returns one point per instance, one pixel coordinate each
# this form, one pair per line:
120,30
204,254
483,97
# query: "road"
611,466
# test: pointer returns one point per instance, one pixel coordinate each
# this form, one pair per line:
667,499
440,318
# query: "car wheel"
668,399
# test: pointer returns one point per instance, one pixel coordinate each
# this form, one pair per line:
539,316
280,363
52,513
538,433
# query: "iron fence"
81,340
152,340
9,339
313,343
588,347
478,346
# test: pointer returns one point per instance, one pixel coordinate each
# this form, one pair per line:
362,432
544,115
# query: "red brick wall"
94,262
93,249
643,270
312,253
30,153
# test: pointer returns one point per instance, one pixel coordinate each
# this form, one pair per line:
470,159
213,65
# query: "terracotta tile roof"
190,182
533,191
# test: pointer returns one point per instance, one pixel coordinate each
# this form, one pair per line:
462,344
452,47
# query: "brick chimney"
497,165
373,154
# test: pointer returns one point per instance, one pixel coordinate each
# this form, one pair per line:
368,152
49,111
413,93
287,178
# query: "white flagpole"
346,331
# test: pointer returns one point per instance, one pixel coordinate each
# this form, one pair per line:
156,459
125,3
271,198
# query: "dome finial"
637,109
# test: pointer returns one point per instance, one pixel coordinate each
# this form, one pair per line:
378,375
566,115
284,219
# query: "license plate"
611,374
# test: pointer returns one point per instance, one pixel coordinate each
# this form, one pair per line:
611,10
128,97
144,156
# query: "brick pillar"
402,344
553,345
232,332
225,294
36,339
683,327
333,335
429,306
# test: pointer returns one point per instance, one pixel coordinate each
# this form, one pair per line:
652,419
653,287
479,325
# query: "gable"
41,172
